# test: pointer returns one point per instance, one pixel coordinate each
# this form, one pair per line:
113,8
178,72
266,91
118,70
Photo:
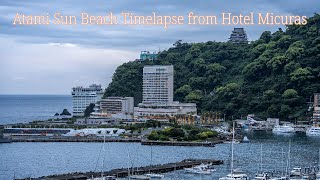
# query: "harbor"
69,157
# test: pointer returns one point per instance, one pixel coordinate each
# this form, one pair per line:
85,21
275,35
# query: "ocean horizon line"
35,94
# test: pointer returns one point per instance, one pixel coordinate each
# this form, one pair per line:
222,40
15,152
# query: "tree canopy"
270,77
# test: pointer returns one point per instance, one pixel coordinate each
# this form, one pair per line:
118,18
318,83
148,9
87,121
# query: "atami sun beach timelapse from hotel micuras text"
162,93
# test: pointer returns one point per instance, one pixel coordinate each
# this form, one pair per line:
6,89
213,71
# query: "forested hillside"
273,76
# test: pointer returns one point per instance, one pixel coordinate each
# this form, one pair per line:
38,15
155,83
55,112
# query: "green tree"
89,110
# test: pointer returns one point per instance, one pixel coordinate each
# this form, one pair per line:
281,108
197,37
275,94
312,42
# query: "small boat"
234,142
245,139
103,178
296,171
283,129
139,177
155,176
279,178
236,175
314,130
262,176
201,169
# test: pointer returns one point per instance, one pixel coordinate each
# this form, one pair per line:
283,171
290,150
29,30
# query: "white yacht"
234,174
283,129
201,169
313,130
245,139
103,178
296,171
139,177
155,176
261,176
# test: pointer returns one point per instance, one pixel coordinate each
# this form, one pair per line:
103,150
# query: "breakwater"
124,172
110,139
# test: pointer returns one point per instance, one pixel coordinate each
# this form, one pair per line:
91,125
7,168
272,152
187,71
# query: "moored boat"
314,130
139,177
201,169
283,129
155,176
245,139
103,178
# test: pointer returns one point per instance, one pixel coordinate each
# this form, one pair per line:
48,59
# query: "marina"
64,157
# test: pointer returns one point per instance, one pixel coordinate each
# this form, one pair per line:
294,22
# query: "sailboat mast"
232,148
289,157
261,158
288,161
103,150
282,162
150,159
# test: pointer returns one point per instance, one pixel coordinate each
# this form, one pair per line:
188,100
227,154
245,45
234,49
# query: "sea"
27,108
23,160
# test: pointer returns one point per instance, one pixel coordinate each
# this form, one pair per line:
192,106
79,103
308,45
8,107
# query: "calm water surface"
38,159
27,108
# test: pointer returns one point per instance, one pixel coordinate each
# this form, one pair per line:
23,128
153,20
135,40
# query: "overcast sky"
52,59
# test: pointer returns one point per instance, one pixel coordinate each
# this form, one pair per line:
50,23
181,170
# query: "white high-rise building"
157,85
83,97
157,95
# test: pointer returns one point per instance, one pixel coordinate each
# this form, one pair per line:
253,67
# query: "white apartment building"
157,95
84,96
157,85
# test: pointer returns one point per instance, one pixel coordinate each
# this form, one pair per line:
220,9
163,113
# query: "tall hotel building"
157,94
83,97
157,85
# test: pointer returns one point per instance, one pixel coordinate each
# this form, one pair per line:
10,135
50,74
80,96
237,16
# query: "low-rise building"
118,108
173,109
115,105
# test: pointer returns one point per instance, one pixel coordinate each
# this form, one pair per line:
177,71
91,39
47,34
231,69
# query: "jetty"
111,139
70,139
124,172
